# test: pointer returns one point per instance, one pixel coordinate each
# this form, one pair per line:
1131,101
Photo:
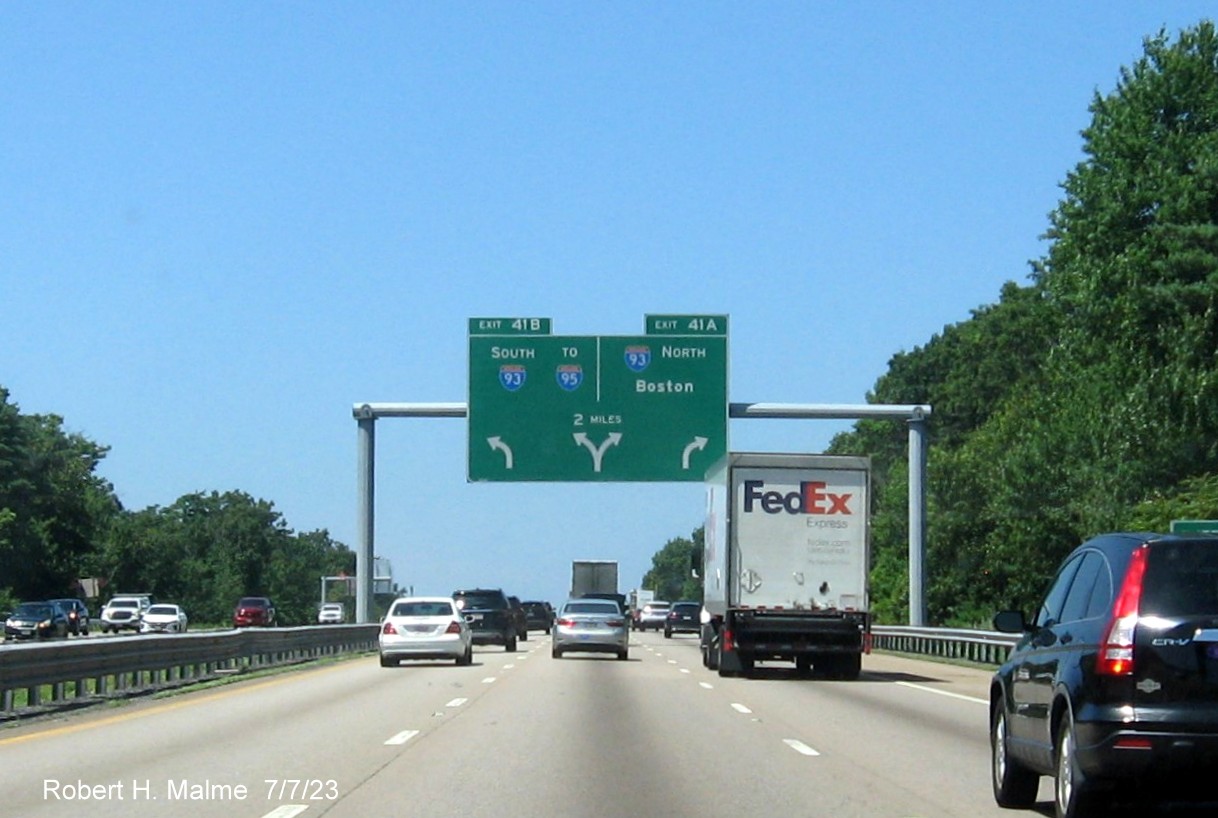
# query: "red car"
254,610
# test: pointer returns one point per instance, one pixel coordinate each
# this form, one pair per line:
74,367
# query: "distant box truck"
785,563
593,577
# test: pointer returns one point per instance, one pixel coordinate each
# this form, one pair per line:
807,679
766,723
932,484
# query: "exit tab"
686,325
509,326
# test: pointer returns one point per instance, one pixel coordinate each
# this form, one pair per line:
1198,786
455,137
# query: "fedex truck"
785,563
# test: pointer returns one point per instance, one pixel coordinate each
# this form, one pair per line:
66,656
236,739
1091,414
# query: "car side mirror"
1010,622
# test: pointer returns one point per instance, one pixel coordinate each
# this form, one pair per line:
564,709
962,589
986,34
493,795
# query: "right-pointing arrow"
697,444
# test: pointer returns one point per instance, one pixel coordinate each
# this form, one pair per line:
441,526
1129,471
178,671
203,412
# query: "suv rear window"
1181,579
480,600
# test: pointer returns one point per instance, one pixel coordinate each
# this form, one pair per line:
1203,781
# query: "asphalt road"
522,734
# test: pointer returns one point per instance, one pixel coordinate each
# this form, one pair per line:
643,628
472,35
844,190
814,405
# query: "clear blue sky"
223,223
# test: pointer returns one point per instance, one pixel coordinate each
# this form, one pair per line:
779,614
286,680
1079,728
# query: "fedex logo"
810,499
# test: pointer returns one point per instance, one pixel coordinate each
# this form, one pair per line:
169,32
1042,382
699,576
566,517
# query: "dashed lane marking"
286,811
799,747
947,693
402,737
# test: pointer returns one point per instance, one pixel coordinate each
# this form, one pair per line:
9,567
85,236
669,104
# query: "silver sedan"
164,618
425,627
594,625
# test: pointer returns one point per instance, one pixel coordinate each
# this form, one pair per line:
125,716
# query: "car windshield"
423,609
688,608
252,602
1181,579
124,603
163,610
33,609
591,607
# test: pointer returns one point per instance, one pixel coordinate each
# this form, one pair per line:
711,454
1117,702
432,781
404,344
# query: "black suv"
489,615
1113,687
520,618
539,616
683,617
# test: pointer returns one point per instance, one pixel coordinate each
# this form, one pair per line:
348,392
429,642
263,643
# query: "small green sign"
1194,526
509,326
598,408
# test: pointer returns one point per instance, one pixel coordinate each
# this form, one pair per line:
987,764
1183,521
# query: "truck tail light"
726,641
1116,653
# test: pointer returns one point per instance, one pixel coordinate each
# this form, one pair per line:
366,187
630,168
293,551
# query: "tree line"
1083,401
60,522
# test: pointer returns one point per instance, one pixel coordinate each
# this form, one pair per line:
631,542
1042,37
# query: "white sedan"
425,627
164,619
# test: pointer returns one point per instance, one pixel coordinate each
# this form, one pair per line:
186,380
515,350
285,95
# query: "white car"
164,618
425,627
331,613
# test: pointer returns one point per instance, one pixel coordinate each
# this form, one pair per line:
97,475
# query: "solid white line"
740,708
943,693
706,685
286,811
403,737
456,702
799,747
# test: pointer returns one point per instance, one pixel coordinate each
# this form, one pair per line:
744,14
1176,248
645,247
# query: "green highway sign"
1194,526
649,407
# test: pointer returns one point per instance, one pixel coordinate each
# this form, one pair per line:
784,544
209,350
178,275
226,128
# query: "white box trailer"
593,577
785,563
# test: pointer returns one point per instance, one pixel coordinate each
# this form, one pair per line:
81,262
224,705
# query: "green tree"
670,575
53,505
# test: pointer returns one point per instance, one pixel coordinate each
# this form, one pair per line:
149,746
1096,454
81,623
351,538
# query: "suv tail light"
1116,653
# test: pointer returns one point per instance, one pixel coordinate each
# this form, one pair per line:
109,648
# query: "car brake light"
389,629
453,627
1116,653
615,623
566,622
1133,743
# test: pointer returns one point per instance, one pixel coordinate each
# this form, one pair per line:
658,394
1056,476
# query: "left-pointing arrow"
496,442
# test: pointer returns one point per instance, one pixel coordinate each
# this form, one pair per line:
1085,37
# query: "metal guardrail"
78,670
985,647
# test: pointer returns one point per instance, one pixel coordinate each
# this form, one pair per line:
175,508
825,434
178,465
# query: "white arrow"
698,443
497,443
597,451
